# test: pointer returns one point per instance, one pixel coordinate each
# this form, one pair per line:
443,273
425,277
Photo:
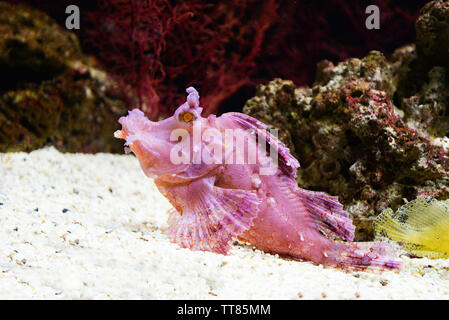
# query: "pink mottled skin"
217,202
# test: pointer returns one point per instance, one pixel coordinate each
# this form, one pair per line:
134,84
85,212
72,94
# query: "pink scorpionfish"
218,198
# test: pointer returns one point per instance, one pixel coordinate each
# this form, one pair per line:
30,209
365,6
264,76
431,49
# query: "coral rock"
352,141
432,31
50,93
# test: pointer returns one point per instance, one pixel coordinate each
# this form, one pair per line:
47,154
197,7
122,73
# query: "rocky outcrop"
369,130
50,92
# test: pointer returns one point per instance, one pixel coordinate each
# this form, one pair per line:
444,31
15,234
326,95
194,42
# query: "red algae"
227,48
153,46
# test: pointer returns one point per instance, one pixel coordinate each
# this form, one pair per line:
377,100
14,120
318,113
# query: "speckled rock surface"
432,32
421,72
50,93
372,131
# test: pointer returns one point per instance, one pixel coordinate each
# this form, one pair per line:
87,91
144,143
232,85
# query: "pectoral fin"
212,216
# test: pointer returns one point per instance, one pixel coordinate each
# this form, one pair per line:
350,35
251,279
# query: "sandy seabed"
77,226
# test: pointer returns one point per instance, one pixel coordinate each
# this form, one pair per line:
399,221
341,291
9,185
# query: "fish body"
421,226
256,201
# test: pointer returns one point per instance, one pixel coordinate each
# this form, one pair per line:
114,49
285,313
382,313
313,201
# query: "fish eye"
187,117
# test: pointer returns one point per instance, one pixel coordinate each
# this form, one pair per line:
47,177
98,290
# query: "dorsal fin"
287,163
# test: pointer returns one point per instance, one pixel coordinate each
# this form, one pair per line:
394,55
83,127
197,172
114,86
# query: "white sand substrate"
76,226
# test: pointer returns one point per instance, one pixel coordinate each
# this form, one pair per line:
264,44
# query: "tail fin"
359,256
422,226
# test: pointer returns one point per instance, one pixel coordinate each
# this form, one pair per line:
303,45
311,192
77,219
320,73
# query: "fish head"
158,144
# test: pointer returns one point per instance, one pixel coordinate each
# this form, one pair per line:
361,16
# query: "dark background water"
300,34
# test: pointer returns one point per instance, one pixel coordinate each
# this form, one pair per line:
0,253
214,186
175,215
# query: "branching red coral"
130,35
153,47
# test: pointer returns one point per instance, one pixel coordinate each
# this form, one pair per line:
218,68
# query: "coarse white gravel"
77,226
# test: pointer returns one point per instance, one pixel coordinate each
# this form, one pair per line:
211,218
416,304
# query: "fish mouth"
136,144
141,147
120,134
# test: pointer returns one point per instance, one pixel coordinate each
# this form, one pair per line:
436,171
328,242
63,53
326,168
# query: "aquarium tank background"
358,92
